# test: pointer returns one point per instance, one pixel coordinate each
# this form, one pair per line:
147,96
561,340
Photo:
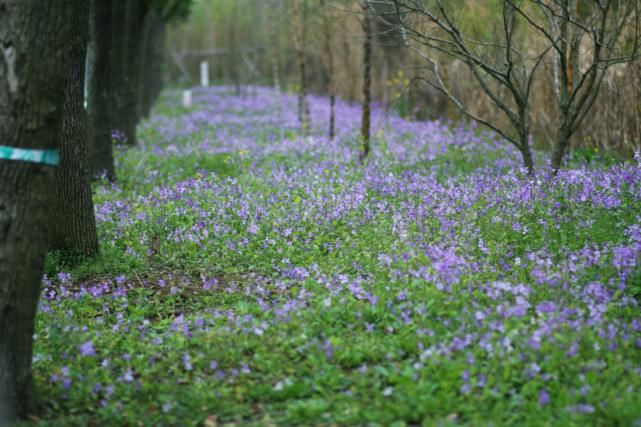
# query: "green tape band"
45,157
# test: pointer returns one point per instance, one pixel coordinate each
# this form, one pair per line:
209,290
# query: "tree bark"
526,153
155,79
367,82
146,51
235,49
134,25
72,227
124,30
560,147
331,84
274,52
101,96
150,70
34,38
524,139
303,108
118,65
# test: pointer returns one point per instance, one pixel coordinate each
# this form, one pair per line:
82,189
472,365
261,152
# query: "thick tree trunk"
34,38
150,69
101,97
155,79
72,227
367,82
118,65
123,75
134,25
146,52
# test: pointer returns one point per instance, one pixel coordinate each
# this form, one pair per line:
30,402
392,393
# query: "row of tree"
582,40
49,49
47,52
565,70
304,115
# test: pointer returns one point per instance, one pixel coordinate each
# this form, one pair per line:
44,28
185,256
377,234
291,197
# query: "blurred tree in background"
613,122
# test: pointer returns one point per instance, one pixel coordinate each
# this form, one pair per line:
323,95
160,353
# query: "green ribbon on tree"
44,157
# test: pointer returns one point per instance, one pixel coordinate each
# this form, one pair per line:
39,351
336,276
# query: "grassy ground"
250,276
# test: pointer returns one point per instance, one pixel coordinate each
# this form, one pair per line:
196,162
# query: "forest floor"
252,276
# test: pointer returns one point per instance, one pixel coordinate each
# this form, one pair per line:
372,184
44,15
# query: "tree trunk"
72,227
331,84
303,108
526,153
134,26
367,82
573,54
332,108
560,147
274,51
150,83
125,29
235,49
101,97
524,140
118,65
155,77
34,38
146,53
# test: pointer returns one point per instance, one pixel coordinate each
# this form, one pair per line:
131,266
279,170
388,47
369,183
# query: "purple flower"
109,390
546,307
573,351
210,283
87,349
329,351
544,397
580,408
252,229
187,362
128,376
64,277
481,381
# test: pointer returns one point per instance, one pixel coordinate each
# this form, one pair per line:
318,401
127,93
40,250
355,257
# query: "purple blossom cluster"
476,267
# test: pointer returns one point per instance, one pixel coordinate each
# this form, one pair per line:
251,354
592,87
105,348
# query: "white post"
204,74
186,98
